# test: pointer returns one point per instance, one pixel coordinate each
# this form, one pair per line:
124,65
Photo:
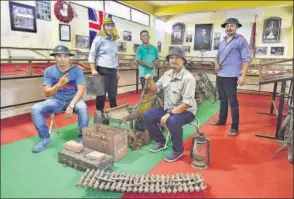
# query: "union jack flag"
95,22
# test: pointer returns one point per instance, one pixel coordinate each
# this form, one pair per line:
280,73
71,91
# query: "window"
97,5
117,9
140,17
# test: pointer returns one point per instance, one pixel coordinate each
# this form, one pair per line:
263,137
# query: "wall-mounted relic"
22,17
188,37
159,44
277,51
43,9
127,35
216,40
260,50
121,46
202,38
64,32
271,30
186,49
82,41
178,31
136,47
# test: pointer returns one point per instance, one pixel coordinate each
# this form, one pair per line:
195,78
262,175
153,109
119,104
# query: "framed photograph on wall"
260,50
64,32
43,9
82,41
121,46
202,38
127,35
216,40
135,47
159,44
277,51
22,17
178,32
271,30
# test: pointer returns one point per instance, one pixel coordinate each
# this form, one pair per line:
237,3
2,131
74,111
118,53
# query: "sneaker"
173,156
157,147
43,144
80,140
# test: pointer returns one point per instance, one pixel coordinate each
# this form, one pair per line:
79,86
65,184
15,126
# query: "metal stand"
279,111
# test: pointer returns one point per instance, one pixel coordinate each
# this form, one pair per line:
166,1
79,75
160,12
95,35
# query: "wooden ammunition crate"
106,139
80,161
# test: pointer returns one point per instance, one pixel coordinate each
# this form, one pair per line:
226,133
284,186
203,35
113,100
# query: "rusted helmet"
231,21
60,49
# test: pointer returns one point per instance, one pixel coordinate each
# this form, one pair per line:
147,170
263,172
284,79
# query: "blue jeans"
50,106
175,122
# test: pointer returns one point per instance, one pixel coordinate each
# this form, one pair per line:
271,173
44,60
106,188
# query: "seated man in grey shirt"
178,86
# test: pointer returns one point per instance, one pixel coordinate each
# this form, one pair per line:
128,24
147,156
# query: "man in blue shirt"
231,66
147,58
64,83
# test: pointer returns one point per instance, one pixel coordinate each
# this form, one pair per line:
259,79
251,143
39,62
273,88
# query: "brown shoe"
233,132
216,123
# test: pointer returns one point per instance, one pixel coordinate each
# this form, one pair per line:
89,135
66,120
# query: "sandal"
233,132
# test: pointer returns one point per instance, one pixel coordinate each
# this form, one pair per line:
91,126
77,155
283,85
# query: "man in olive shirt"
178,86
147,58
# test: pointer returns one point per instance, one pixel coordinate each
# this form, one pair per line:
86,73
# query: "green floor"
28,175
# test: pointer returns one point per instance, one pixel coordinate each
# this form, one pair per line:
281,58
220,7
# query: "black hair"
143,32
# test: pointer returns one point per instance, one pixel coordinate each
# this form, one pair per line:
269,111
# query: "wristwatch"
72,106
170,112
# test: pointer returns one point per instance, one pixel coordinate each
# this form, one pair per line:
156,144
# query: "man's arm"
245,55
188,94
139,59
50,89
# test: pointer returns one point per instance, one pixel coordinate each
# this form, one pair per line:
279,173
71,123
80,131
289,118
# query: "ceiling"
164,3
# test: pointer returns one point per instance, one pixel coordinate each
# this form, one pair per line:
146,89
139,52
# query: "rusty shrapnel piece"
106,139
82,161
101,180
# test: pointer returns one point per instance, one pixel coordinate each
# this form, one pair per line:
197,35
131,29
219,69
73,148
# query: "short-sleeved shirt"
231,55
179,89
76,77
147,55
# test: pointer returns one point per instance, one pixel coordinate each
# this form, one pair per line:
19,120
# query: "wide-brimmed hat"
177,51
60,49
231,21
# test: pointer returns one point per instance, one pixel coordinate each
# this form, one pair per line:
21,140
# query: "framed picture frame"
277,51
121,46
135,47
82,41
178,33
202,37
127,36
260,51
22,17
271,30
64,32
43,9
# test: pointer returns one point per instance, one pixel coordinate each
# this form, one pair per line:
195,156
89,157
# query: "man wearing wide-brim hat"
178,86
231,66
64,86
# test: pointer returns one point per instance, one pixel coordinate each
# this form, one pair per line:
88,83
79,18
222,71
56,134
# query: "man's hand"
164,119
94,72
68,112
63,80
148,76
242,80
217,68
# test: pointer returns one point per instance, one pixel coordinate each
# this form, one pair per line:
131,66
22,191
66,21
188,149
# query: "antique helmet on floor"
231,21
61,49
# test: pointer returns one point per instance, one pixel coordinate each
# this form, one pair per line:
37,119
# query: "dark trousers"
227,90
143,80
110,87
175,122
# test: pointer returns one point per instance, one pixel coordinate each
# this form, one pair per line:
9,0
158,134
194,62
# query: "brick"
95,155
73,146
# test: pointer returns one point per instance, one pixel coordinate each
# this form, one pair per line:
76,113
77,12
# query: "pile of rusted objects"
101,180
204,88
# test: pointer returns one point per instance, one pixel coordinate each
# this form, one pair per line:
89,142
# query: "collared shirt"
237,52
179,89
147,55
104,52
